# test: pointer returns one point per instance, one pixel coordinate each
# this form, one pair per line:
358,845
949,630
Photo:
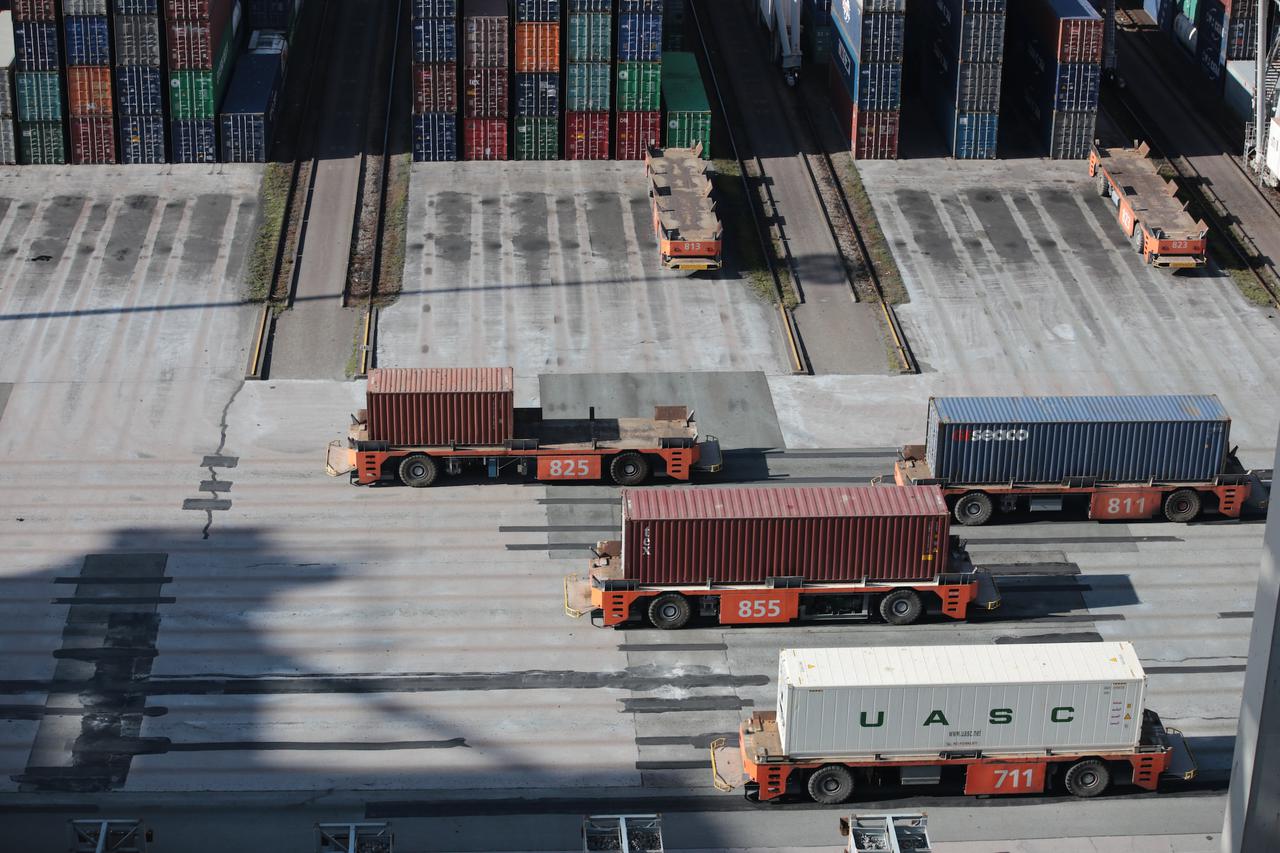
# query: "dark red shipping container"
872,135
485,42
1079,39
35,10
193,45
586,136
486,92
485,139
89,91
93,140
537,47
747,535
436,406
636,132
435,88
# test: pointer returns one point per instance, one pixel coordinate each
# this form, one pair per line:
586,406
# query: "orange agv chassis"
1156,223
1161,753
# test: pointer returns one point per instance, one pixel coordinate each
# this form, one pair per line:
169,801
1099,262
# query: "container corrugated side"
537,95
137,40
93,140
991,699
586,135
589,37
537,138
747,535
194,141
1070,30
84,7
248,113
588,5
435,137
486,92
142,139
35,10
1071,135
640,37
42,143
88,40
36,45
137,7
39,96
1045,440
441,406
140,90
203,45
435,88
485,42
684,98
8,66
89,91
972,37
537,47
433,9
435,40
538,10
639,86
635,132
685,130
587,87
8,141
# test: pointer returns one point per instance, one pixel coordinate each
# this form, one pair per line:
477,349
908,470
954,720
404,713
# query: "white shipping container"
7,104
862,702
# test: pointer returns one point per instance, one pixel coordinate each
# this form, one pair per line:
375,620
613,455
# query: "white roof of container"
6,39
951,665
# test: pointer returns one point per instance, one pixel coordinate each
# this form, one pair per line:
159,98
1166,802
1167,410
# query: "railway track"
1215,210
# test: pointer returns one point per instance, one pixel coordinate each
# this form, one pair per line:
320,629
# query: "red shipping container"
586,136
636,132
437,406
193,45
1078,39
89,91
93,140
748,535
486,92
435,88
485,139
537,47
484,42
872,135
35,10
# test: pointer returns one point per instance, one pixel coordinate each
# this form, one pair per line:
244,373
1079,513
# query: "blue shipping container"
537,94
972,35
137,7
142,139
195,141
88,40
976,86
972,136
140,90
628,6
434,9
248,114
872,87
538,10
435,40
1209,29
640,37
435,137
1046,440
848,15
35,44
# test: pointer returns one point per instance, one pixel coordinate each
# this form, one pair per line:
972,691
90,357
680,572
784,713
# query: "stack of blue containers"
964,56
139,74
434,79
247,118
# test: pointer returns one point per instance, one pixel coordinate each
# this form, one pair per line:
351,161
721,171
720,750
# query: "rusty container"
89,90
748,535
440,406
537,47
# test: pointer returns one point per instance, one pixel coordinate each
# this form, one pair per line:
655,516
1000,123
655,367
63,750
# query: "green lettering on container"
877,724
1000,716
936,717
1054,715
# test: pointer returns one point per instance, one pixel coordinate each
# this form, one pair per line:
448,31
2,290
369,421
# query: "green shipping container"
537,138
590,37
198,94
41,143
39,96
639,86
587,87
688,113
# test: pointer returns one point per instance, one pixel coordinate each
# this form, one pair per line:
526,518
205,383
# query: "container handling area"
458,426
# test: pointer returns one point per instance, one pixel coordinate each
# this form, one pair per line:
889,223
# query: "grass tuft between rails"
886,266
741,238
273,194
395,229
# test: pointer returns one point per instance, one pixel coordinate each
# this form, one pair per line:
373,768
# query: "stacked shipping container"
90,104
865,74
203,40
140,80
38,83
1056,51
247,119
434,79
674,20
279,15
8,106
588,93
537,80
486,79
684,99
816,35
639,80
963,66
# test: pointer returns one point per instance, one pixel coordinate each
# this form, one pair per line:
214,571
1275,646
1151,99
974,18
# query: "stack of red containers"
486,79
89,101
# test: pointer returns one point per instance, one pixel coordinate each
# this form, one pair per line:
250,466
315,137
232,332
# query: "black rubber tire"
670,611
1136,239
1087,778
629,469
418,471
831,785
1182,505
973,509
901,607
1104,188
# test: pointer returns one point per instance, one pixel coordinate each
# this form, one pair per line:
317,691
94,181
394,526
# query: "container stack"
815,32
537,82
1056,47
8,105
486,79
865,74
684,99
278,15
1106,9
675,15
963,68
38,83
1240,30
434,76
90,105
588,93
248,116
139,79
639,82
203,40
